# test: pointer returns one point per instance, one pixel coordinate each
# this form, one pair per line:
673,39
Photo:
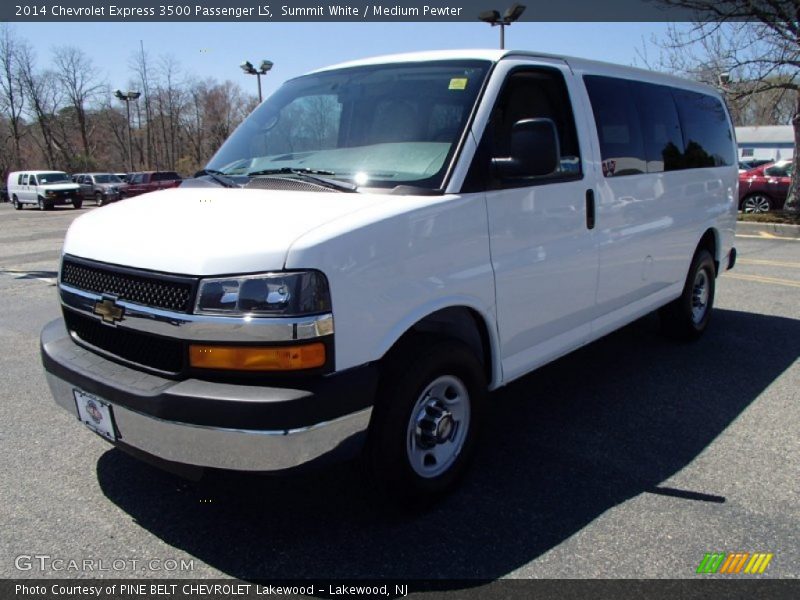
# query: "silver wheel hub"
700,293
435,425
438,426
756,204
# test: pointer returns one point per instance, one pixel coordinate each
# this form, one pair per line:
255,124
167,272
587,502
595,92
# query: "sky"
216,49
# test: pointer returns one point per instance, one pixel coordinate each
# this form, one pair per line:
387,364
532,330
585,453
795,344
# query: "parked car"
450,222
123,176
4,193
44,189
765,188
150,181
747,165
100,187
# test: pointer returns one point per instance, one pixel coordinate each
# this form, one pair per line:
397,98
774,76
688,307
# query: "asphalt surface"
630,458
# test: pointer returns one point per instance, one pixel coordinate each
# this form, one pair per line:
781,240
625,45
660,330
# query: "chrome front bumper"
69,367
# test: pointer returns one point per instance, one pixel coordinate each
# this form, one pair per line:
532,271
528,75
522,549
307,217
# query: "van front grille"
162,354
167,292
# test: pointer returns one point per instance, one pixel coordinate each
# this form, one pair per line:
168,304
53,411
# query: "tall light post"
127,98
493,18
263,68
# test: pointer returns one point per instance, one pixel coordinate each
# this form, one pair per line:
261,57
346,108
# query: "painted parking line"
768,263
762,279
34,275
763,235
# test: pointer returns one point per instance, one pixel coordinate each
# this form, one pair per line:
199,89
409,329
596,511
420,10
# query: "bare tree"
76,74
168,100
42,105
66,118
756,43
141,65
12,96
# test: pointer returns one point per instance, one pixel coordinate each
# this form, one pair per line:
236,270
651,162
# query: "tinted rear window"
707,136
645,127
618,127
661,127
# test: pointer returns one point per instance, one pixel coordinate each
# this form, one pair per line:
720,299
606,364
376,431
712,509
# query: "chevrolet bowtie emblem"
109,310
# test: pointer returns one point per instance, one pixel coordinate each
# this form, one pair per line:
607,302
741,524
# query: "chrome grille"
167,292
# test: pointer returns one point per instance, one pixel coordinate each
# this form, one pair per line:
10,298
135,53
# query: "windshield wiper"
219,177
308,175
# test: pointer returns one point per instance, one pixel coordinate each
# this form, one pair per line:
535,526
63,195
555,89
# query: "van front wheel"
426,418
687,317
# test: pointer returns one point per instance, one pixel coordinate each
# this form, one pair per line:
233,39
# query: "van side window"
706,131
22,179
32,180
614,107
661,128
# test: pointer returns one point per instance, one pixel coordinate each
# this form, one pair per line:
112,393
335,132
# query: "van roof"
37,171
493,55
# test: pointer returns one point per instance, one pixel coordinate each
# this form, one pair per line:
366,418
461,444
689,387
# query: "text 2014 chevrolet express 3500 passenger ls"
382,243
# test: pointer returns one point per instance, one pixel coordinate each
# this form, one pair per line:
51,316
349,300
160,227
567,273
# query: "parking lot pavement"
630,458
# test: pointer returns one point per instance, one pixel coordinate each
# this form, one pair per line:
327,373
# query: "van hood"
59,187
207,231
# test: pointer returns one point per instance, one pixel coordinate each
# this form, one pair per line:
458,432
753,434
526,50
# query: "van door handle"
589,209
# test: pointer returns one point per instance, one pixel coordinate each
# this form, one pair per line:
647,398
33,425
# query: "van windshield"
374,126
54,178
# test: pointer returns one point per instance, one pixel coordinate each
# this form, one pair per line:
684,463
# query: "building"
765,142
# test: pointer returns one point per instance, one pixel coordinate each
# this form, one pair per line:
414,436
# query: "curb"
779,229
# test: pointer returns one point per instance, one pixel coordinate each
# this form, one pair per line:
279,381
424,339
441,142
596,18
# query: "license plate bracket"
95,413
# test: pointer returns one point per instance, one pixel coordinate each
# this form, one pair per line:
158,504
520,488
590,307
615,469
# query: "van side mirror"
534,150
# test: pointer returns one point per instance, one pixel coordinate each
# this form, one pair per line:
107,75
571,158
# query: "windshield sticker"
458,83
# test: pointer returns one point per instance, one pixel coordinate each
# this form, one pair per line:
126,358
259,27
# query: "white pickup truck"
382,243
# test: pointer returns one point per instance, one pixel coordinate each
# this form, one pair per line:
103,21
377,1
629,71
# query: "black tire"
16,203
394,439
41,204
687,317
77,203
98,199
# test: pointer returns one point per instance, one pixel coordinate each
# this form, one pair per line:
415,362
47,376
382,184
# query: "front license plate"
95,414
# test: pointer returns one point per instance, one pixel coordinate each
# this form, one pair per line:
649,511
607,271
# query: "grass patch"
777,216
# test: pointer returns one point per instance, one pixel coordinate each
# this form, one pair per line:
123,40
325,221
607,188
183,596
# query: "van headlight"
281,294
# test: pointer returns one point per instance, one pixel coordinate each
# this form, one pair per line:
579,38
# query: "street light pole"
494,19
127,98
263,68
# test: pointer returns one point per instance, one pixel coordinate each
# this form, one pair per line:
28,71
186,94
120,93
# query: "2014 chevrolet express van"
43,189
380,244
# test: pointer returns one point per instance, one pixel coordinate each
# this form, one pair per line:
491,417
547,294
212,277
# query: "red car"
150,181
765,188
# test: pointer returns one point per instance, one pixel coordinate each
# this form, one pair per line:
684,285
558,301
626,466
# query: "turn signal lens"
257,358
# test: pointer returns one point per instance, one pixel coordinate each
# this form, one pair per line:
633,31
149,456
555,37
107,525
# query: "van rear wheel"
687,317
16,203
426,418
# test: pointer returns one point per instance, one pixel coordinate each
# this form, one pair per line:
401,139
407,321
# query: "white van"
382,243
43,189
